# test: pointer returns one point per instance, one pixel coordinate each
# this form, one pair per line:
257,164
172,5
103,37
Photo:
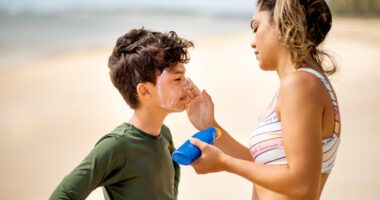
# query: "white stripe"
272,117
323,79
270,155
329,154
267,128
312,71
327,166
263,137
279,162
329,142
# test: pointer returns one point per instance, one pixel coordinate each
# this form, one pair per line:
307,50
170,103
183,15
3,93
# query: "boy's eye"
177,79
254,30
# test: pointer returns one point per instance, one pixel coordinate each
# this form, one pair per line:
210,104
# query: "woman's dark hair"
140,56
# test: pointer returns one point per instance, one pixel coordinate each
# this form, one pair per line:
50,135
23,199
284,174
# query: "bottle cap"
219,131
181,158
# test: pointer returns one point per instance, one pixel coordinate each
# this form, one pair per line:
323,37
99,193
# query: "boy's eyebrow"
178,71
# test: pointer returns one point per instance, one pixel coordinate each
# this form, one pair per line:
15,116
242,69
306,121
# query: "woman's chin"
266,68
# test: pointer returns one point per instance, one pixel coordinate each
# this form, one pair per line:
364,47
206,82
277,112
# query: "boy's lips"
184,98
257,55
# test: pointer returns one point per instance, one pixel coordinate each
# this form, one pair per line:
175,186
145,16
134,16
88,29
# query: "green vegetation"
356,7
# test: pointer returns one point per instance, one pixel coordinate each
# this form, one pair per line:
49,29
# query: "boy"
134,161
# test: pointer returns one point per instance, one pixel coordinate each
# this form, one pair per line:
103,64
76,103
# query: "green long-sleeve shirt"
128,164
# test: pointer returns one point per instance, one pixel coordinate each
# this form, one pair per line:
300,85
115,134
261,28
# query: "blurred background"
56,99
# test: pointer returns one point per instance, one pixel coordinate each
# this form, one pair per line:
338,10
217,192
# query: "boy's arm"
177,169
176,177
93,171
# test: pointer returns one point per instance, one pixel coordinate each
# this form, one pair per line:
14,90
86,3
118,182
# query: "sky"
52,6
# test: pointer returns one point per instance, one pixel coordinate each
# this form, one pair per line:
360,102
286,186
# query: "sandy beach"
53,109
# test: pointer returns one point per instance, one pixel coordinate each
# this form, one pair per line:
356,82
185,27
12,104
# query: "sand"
53,110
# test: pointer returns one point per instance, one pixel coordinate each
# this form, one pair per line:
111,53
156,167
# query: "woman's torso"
266,141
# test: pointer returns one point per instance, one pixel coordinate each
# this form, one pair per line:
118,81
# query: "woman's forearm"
278,178
232,147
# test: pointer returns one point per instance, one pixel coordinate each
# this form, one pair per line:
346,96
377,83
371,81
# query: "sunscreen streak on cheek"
170,100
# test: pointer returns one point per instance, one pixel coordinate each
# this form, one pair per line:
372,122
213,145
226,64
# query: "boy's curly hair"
140,56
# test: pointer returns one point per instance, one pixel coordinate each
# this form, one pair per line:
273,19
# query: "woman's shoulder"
301,85
301,81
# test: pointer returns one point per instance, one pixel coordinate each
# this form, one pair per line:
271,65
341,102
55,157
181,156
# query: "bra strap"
332,95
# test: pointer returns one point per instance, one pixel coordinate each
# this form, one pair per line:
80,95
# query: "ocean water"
34,29
199,6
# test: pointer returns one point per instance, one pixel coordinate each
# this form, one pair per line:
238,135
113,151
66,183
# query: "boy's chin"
177,109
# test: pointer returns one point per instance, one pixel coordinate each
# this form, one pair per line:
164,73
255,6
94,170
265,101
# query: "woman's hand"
200,109
211,160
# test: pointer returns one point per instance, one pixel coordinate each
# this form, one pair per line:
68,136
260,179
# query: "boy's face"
172,89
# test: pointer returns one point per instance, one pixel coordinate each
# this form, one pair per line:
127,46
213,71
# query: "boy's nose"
253,42
186,84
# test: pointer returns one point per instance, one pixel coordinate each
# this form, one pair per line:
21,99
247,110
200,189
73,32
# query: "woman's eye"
177,79
254,30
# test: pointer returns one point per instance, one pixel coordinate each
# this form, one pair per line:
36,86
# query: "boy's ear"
143,90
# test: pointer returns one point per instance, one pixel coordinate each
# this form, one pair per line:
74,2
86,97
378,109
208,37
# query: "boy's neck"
148,122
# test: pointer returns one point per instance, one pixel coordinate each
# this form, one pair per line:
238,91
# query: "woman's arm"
301,108
232,147
201,114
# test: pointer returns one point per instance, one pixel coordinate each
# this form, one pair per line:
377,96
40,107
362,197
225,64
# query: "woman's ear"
143,90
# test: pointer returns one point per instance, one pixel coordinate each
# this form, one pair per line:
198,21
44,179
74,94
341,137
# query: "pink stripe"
262,147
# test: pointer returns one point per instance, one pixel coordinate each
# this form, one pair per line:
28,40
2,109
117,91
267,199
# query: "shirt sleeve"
176,177
99,168
176,166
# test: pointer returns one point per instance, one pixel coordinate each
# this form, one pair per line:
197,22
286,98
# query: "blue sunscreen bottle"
187,153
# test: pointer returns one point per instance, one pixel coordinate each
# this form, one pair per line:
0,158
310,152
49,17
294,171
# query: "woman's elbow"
306,191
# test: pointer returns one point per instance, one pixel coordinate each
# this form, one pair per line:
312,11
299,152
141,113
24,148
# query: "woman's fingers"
201,145
206,96
194,90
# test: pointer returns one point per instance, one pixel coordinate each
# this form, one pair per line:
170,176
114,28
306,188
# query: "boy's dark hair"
140,56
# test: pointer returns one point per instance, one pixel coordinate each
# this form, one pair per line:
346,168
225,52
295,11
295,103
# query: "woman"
293,148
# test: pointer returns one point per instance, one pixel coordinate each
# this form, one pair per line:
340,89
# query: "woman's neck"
285,66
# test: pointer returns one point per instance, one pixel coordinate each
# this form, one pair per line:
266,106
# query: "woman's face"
265,40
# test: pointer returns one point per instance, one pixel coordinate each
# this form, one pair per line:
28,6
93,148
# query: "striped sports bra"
266,141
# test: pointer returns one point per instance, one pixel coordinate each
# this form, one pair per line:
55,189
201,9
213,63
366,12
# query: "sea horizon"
38,35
